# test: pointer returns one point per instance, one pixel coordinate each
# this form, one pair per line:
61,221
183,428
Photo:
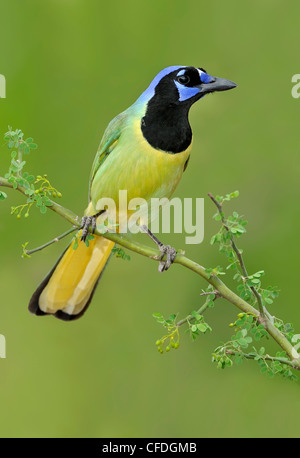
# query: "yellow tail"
68,289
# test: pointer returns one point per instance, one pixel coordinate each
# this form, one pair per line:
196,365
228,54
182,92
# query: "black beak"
216,84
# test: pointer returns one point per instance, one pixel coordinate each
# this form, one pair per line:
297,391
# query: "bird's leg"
88,221
164,249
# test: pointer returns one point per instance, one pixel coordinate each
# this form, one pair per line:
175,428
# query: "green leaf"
157,315
268,300
202,327
243,342
238,359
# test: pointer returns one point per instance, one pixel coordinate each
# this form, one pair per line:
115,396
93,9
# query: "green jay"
144,151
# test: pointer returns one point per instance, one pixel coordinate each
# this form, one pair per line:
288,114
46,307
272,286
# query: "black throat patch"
165,125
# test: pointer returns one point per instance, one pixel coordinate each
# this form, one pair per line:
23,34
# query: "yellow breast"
134,165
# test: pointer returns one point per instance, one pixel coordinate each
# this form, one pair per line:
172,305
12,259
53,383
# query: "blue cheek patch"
186,93
205,78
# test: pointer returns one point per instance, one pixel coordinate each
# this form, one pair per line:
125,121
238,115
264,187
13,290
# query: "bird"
144,150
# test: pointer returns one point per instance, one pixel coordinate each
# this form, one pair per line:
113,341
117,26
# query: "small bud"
168,348
26,215
59,194
158,342
240,315
231,325
176,345
19,216
173,344
54,194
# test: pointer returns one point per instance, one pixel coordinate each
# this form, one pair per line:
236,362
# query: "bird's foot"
171,255
88,221
166,250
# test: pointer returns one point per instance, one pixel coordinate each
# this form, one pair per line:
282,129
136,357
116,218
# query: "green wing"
107,144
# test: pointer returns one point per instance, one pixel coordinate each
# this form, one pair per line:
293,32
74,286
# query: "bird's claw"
171,255
86,222
164,250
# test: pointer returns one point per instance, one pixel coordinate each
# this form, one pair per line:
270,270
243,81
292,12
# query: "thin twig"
200,311
57,239
266,357
239,256
208,293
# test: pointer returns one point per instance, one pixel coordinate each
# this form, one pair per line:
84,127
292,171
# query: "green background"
71,66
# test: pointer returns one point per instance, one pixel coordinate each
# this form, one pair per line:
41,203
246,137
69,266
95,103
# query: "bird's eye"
183,79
